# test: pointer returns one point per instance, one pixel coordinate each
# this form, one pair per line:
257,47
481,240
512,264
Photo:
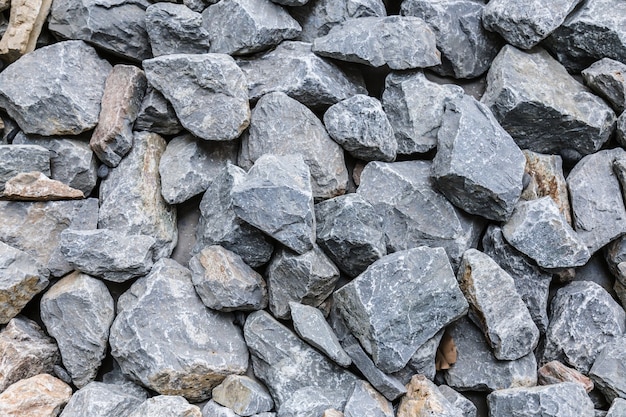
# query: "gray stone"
276,197
108,254
401,42
538,230
566,399
198,5
418,215
115,26
208,92
584,319
166,406
542,107
98,399
359,124
225,282
531,283
307,401
467,49
351,232
22,158
78,312
175,29
399,303
286,364
476,367
313,81
618,408
458,400
66,83
130,197
213,409
219,225
606,78
365,401
157,115
609,370
239,27
310,324
189,165
26,351
21,278
423,360
620,129
208,345
477,167
415,107
308,279
615,255
423,398
243,395
597,204
300,131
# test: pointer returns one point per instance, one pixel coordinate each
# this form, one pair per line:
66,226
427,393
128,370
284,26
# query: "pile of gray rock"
313,208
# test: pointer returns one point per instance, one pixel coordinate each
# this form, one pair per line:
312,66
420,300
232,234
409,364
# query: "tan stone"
331,412
555,372
423,399
39,396
25,23
35,186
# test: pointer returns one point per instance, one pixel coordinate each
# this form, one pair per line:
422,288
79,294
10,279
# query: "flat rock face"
238,27
157,114
401,42
542,107
22,158
423,398
66,83
608,370
467,49
166,406
209,346
606,78
175,29
208,92
243,395
39,396
555,372
98,399
300,131
399,303
467,407
35,186
365,401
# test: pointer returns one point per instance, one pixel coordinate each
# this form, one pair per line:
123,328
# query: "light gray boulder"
243,395
605,77
98,399
365,401
618,408
609,372
458,400
175,29
19,158
213,409
166,406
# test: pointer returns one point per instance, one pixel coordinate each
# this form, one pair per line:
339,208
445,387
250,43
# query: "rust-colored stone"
39,396
555,372
25,23
446,353
35,186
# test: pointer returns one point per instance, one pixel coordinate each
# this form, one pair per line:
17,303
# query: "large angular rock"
78,312
66,83
542,107
312,80
299,131
365,401
458,400
39,396
609,372
423,398
401,42
239,27
114,26
25,23
423,361
175,29
555,372
98,399
157,115
467,49
606,78
286,364
208,92
130,197
309,279
477,167
35,186
208,345
306,401
166,406
243,395
399,303
22,158
584,319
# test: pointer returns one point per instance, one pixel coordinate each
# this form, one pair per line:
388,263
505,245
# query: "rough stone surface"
606,78
208,345
123,94
157,114
477,167
238,27
423,361
243,395
213,409
401,42
458,400
225,282
542,107
208,92
365,401
620,129
166,406
78,312
312,80
25,23
615,255
555,372
423,398
39,396
130,197
98,399
108,254
300,131
609,371
22,158
35,186
618,408
584,319
175,29
305,401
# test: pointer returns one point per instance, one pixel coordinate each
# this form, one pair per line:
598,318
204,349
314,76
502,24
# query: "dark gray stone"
66,83
542,107
299,131
175,29
458,400
618,408
112,25
313,81
108,254
584,318
609,370
243,395
166,406
467,49
401,42
308,279
78,312
399,303
209,346
423,360
615,255
22,158
606,78
157,115
365,401
98,399
239,27
208,92
423,398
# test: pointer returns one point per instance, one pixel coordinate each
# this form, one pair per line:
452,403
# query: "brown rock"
123,94
423,399
555,372
35,186
25,23
331,412
39,396
446,353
